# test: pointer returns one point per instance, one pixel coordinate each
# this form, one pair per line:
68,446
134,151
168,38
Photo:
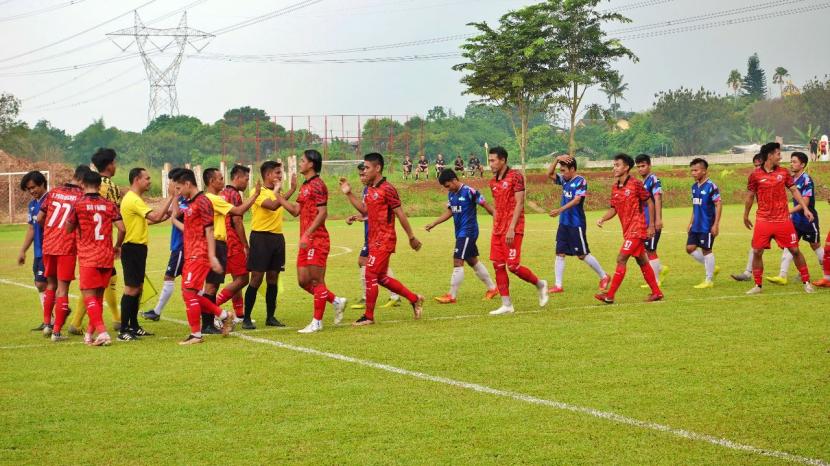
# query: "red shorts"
90,278
634,247
60,267
783,232
316,255
237,264
194,273
500,252
378,262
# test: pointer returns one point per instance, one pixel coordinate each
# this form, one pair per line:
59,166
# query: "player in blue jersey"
176,261
655,189
34,183
806,230
462,205
571,236
394,299
705,223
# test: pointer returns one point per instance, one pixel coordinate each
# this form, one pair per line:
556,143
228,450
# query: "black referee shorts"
222,255
267,252
134,263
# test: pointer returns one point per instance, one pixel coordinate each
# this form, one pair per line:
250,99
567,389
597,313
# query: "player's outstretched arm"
608,215
346,189
239,210
322,213
801,202
443,218
162,213
27,242
413,241
750,199
292,186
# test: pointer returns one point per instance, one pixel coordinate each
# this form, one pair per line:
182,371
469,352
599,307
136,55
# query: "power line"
636,5
93,87
48,9
92,99
322,61
258,19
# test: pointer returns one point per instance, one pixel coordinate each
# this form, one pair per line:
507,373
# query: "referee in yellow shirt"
136,216
267,244
214,182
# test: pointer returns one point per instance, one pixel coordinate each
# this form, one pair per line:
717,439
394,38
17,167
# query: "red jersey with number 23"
197,217
93,216
230,194
629,201
313,194
504,195
771,190
381,200
57,206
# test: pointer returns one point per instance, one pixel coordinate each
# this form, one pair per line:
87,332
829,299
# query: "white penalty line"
607,415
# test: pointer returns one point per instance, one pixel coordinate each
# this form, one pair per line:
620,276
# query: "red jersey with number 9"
57,206
93,217
629,202
504,195
771,190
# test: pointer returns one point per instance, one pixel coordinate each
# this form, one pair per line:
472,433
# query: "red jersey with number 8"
771,190
57,206
93,216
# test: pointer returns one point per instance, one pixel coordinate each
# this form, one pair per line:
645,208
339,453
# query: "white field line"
607,415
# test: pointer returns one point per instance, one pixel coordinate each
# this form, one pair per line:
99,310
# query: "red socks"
502,280
223,297
194,311
95,311
826,264
525,274
619,274
61,309
209,306
238,305
48,305
320,298
758,275
805,273
397,287
651,279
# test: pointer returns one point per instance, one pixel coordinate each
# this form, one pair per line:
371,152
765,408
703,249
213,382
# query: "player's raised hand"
292,181
415,244
747,223
345,188
257,188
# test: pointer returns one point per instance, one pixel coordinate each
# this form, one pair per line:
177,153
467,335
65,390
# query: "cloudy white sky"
38,54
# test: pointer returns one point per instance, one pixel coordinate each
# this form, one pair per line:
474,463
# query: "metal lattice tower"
154,41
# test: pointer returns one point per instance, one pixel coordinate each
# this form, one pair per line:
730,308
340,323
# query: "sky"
40,58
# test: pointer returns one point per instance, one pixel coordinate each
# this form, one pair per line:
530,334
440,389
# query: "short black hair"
625,158
571,164
700,161
207,175
103,157
92,179
643,158
768,149
361,166
447,174
80,171
801,156
34,176
316,159
171,175
185,175
756,157
500,152
374,157
237,169
267,166
134,173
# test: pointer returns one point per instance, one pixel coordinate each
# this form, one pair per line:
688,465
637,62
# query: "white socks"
820,254
223,315
506,301
655,265
594,264
748,269
455,280
786,260
484,275
709,265
166,293
698,256
559,270
42,297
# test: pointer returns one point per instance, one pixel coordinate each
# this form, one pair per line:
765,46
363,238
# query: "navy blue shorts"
572,241
364,251
38,270
701,240
809,232
651,243
175,263
465,248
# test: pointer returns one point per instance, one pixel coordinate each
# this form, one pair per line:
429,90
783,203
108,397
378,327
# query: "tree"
436,113
755,81
246,113
514,67
696,121
735,82
614,89
9,109
779,77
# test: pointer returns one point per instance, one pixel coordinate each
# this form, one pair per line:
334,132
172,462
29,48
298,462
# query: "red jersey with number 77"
93,217
771,190
381,200
629,200
57,206
197,217
504,191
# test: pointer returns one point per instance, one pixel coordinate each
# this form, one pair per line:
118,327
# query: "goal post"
15,209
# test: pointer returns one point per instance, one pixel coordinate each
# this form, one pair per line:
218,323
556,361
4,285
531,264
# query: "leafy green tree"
696,121
9,109
755,80
436,113
614,88
754,135
246,113
779,77
735,82
85,143
807,133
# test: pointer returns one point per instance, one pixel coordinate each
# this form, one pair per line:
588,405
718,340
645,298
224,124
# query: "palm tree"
614,88
779,77
735,81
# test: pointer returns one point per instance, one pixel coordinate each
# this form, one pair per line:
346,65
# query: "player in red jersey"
629,199
59,250
199,257
312,208
769,184
93,218
237,263
381,206
508,188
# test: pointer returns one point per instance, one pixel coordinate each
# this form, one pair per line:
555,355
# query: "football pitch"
705,377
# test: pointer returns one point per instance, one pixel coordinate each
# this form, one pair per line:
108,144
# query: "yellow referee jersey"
134,214
221,207
266,220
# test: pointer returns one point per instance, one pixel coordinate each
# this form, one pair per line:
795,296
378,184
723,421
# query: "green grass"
753,370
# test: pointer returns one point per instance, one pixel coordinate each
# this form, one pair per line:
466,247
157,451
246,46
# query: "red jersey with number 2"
771,190
381,200
504,195
313,194
197,217
93,216
57,206
629,200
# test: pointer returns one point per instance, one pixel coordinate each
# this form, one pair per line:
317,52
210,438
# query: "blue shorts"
571,241
465,248
38,270
175,263
364,251
809,232
701,240
651,243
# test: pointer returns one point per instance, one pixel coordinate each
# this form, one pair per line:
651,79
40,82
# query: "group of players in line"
74,222
422,168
